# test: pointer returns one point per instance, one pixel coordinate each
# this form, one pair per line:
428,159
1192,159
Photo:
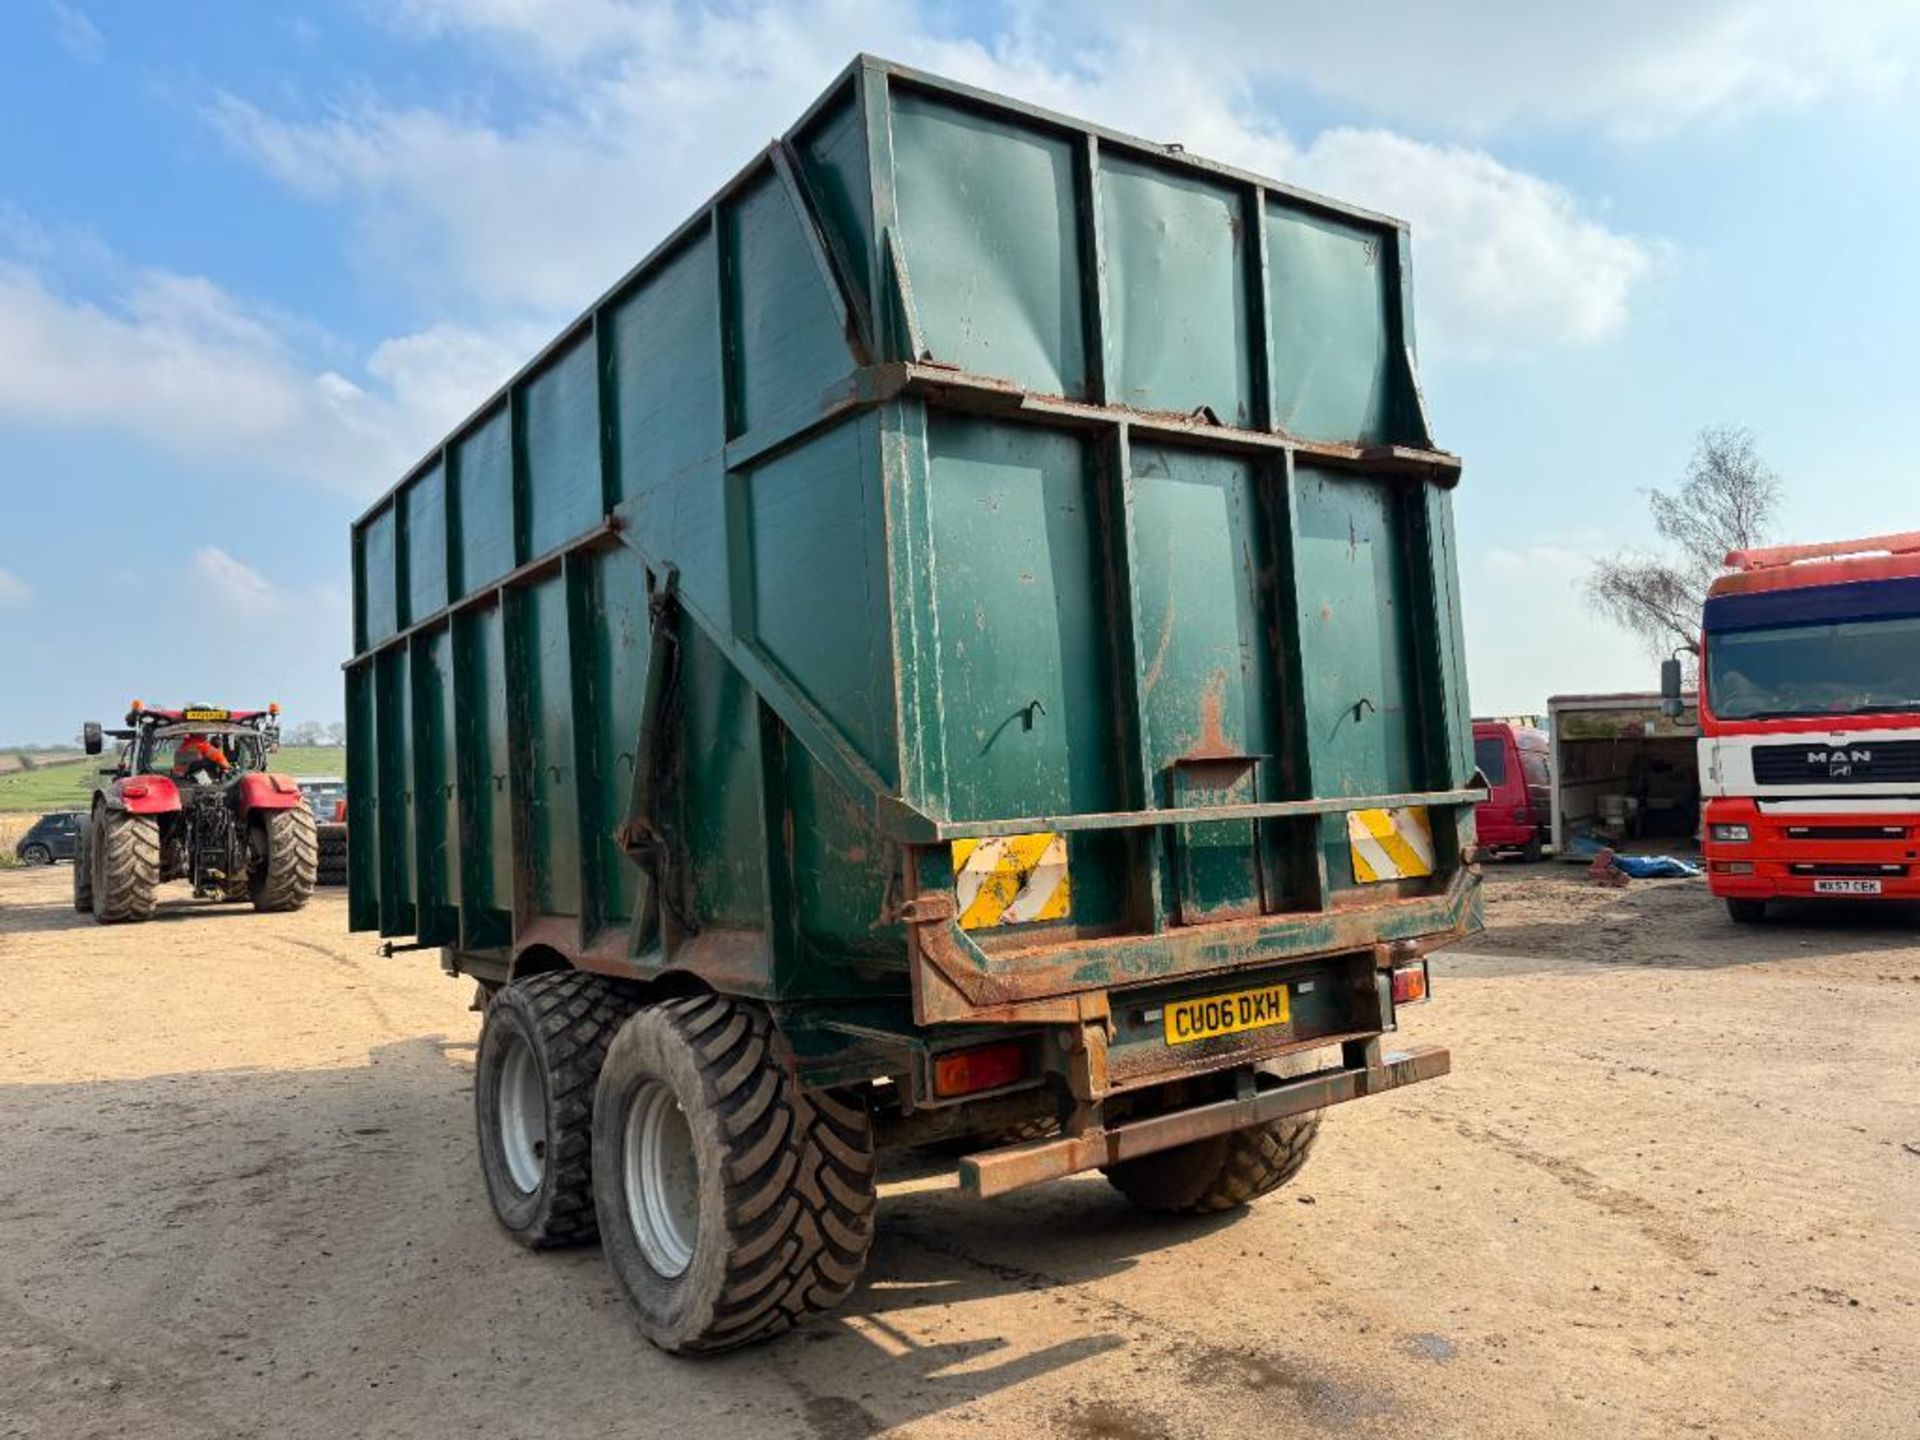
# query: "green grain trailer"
961,645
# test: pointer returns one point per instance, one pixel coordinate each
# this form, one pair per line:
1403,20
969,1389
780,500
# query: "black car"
53,837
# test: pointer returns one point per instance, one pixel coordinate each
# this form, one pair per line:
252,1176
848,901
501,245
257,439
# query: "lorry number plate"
1202,1019
1846,887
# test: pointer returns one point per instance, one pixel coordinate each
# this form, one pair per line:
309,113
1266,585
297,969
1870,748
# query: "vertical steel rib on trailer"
1001,492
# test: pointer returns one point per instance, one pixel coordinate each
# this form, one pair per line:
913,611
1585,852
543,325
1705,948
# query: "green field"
66,786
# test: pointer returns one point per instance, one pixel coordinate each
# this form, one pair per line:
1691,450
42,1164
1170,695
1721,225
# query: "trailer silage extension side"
962,640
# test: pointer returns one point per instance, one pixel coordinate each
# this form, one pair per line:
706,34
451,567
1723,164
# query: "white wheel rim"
523,1116
663,1179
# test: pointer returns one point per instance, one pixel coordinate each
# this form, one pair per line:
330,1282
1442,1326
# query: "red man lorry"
1810,723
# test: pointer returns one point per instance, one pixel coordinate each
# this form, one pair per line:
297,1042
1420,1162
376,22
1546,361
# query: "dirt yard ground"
1672,1188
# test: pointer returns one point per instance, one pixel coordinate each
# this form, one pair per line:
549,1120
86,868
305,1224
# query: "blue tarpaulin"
1653,867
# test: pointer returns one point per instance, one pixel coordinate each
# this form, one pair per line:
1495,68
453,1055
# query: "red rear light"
968,1072
134,792
339,811
1410,984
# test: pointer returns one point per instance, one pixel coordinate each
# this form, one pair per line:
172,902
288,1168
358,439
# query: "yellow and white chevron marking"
1011,879
1390,844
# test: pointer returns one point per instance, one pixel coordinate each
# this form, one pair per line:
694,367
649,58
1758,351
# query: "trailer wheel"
281,859
83,870
539,1060
126,866
974,1141
733,1202
1747,912
1220,1172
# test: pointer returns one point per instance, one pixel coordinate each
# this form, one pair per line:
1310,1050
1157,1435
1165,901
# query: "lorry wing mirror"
90,737
1670,688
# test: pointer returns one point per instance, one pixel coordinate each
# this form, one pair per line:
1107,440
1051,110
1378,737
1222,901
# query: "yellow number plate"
192,715
1190,1020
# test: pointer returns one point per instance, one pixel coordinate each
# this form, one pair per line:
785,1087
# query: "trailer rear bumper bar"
1012,1167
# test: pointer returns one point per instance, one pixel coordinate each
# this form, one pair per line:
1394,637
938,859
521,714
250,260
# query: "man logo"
1839,763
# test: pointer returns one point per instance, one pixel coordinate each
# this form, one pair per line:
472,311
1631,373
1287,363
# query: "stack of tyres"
332,869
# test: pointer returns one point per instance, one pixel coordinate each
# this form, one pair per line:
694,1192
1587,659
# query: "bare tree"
1725,502
337,733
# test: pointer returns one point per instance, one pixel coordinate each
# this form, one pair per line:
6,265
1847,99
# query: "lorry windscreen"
1845,668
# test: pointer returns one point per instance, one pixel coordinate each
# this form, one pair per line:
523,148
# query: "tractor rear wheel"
282,857
83,870
126,866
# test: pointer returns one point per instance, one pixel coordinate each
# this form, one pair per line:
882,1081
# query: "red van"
1518,809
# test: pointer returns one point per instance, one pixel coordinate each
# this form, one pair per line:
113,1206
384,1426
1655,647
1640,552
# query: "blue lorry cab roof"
1813,605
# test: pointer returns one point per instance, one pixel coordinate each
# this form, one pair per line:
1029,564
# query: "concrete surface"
1672,1188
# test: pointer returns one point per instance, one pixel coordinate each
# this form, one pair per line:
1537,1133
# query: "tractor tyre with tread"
126,866
1221,1172
83,870
539,1061
733,1201
283,857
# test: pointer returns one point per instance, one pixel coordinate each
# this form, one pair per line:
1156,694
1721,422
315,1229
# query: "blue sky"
254,259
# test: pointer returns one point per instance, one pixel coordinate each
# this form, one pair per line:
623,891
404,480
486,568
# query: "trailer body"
981,581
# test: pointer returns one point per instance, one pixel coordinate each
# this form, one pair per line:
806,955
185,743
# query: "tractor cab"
206,754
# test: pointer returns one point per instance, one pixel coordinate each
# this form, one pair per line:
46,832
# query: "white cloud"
1505,261
648,106
175,360
565,31
230,595
13,590
76,32
1633,68
233,582
541,215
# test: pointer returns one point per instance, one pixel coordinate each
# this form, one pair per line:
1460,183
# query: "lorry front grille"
1846,832
1813,762
1849,870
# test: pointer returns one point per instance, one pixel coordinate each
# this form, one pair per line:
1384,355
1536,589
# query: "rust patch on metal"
1213,743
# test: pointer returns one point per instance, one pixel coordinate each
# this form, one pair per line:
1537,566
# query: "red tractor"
190,798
